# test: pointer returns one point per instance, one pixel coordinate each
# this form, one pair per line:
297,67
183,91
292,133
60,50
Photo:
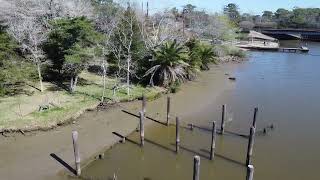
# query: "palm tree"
168,64
194,65
201,55
194,60
207,56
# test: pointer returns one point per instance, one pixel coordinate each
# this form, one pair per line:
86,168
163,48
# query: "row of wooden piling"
196,174
196,169
250,168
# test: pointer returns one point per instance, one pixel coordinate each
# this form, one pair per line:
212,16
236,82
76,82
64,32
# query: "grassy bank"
21,112
34,110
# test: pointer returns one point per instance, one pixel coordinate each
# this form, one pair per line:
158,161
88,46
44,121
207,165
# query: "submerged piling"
141,128
223,116
250,171
168,109
177,134
254,122
250,145
213,140
76,152
196,168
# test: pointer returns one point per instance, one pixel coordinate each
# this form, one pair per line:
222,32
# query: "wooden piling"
123,140
168,109
76,152
101,156
141,128
196,168
272,126
114,176
213,140
191,126
250,145
177,134
144,104
250,171
254,122
223,116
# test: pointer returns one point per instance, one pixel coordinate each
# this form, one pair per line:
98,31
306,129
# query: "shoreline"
71,118
95,131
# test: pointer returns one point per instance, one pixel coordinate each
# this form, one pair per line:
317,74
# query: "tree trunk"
104,87
104,81
40,76
128,75
73,83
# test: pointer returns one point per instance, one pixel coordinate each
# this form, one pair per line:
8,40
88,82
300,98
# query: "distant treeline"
306,18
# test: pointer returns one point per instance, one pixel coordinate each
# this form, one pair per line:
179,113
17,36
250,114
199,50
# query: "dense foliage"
70,46
283,18
162,49
13,71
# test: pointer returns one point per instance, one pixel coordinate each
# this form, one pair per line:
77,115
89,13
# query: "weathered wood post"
141,128
250,145
76,152
191,127
254,122
168,109
114,176
250,171
213,140
177,134
101,156
196,168
223,117
144,104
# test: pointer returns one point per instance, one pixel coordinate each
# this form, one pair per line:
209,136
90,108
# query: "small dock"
262,42
294,50
272,48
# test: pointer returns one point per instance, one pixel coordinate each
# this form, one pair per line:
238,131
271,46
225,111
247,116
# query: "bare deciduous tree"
159,28
28,22
27,25
71,8
218,28
106,21
123,50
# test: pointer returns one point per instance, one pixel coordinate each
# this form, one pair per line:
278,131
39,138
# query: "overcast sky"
246,6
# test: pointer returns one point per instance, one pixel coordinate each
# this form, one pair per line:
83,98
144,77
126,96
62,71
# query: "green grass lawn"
22,111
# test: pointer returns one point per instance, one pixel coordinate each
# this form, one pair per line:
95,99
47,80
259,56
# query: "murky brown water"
285,86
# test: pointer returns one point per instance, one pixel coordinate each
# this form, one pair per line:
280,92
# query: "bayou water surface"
285,87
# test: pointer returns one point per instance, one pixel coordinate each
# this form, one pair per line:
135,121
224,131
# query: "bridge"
293,34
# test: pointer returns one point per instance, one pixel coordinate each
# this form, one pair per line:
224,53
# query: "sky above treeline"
246,6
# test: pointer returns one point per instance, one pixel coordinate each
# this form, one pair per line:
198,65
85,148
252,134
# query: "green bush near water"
234,51
226,50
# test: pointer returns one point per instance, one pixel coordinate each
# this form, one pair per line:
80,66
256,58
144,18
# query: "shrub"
237,52
227,50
